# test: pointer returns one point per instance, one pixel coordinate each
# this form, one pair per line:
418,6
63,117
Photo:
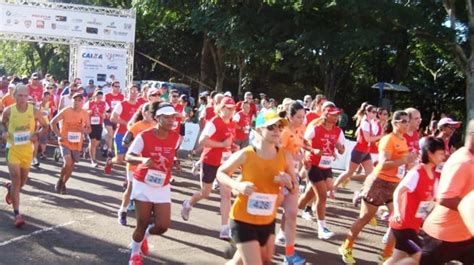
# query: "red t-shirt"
162,151
362,145
310,116
177,124
36,92
97,109
415,204
374,149
141,100
113,100
413,142
218,131
125,110
325,140
253,108
209,113
243,121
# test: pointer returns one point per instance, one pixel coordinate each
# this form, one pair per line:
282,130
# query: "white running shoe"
325,233
225,232
185,210
215,185
280,238
308,215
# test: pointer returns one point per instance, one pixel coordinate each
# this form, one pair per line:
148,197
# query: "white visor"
168,110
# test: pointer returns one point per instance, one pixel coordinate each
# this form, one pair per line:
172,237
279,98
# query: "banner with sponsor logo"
44,21
101,64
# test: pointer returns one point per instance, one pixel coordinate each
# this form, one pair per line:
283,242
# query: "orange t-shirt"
72,128
292,140
398,148
261,207
457,180
135,129
8,100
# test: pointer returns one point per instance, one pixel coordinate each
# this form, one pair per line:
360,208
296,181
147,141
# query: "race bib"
155,178
225,156
325,162
20,138
261,204
247,129
114,103
95,120
423,209
439,168
401,171
74,137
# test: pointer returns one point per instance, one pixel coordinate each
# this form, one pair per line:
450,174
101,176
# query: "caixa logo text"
89,55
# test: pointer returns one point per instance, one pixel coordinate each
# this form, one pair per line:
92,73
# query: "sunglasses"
402,121
155,95
274,126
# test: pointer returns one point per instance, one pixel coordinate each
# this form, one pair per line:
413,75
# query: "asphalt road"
81,227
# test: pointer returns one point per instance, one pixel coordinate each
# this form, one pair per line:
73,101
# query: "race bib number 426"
261,204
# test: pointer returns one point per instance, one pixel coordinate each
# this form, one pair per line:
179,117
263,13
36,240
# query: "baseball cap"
204,94
248,93
98,92
328,104
448,121
91,81
167,109
78,94
228,94
35,76
268,118
153,91
228,102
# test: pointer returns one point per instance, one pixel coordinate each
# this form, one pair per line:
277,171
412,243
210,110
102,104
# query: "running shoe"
57,154
195,169
104,152
8,196
373,222
294,259
177,166
144,247
224,233
356,199
346,254
135,260
19,221
385,237
58,186
35,162
94,164
85,152
215,185
325,233
108,166
63,188
185,210
345,183
280,238
42,156
131,206
122,218
308,215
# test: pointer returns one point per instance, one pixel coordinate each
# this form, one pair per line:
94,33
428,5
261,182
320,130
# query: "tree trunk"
242,65
470,97
218,58
44,54
205,63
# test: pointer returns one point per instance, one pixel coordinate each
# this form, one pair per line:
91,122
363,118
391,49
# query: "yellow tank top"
259,208
21,126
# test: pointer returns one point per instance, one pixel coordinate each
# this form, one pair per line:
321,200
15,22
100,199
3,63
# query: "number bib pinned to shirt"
155,178
423,209
95,120
114,103
74,137
325,162
225,156
401,171
261,204
439,168
22,137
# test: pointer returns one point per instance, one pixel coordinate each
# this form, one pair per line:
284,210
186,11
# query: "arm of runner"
226,170
87,125
408,184
385,154
4,123
340,143
54,122
115,117
134,150
290,171
40,119
309,134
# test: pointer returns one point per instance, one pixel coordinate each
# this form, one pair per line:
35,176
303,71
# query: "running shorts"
317,174
208,173
244,232
407,241
119,148
75,155
146,193
359,157
19,156
377,191
96,132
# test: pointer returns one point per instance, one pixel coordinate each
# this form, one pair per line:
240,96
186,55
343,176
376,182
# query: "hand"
411,158
245,188
340,147
285,179
316,151
148,162
227,142
397,217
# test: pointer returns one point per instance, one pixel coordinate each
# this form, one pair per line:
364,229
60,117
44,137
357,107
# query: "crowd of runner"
261,156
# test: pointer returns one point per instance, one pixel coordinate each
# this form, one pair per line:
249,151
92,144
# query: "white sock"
147,232
321,224
187,204
282,232
224,227
136,247
122,210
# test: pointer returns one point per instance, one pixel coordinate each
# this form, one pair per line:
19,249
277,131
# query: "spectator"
343,120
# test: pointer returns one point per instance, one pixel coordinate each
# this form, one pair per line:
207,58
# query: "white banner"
100,63
190,137
44,21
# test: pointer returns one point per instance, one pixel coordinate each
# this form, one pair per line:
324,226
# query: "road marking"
37,232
